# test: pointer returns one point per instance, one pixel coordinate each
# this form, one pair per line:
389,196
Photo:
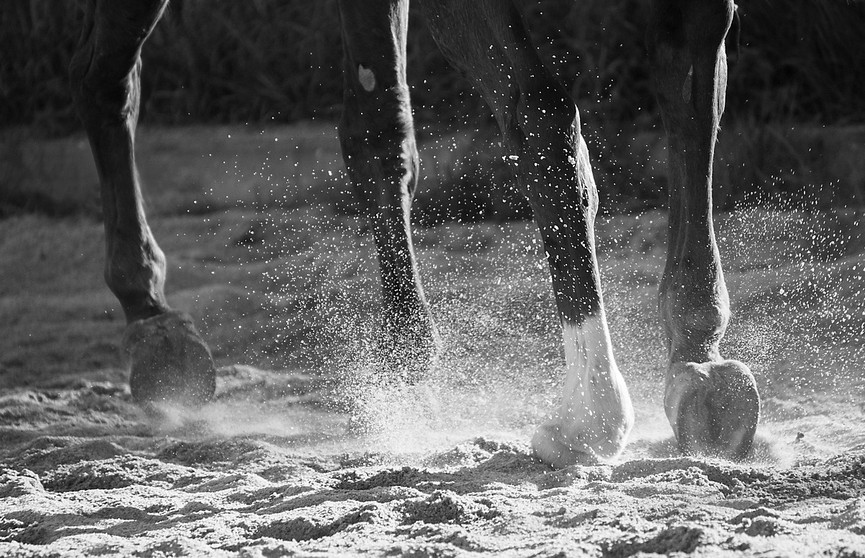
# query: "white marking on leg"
596,413
688,85
366,77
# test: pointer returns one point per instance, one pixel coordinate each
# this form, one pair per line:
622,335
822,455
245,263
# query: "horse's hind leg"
712,404
168,358
378,146
541,127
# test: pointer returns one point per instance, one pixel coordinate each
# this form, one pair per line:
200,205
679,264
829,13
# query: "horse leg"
541,126
378,145
168,359
711,403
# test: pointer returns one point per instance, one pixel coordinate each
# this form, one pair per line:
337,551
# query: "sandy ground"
287,299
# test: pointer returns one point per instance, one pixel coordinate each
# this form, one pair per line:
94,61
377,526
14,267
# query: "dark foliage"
279,60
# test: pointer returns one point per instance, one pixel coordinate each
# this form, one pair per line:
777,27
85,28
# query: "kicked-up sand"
307,450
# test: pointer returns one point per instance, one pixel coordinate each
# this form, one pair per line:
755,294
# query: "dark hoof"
408,358
168,360
713,407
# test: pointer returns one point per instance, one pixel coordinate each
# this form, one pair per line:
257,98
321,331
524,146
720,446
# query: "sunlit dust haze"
795,279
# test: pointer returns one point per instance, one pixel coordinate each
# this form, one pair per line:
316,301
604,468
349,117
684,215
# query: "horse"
712,403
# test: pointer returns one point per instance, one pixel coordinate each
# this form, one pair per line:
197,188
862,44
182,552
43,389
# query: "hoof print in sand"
14,483
303,529
444,506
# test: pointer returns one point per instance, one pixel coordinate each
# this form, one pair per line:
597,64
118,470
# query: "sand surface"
287,299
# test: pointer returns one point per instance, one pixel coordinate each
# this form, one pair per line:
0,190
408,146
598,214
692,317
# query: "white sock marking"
596,407
366,77
688,85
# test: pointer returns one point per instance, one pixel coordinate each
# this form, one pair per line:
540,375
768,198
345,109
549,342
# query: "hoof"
407,359
168,360
551,447
713,407
587,439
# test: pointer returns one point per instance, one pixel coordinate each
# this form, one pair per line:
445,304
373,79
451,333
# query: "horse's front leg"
169,361
712,403
541,126
378,147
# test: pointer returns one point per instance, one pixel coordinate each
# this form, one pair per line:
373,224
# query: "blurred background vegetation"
799,67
